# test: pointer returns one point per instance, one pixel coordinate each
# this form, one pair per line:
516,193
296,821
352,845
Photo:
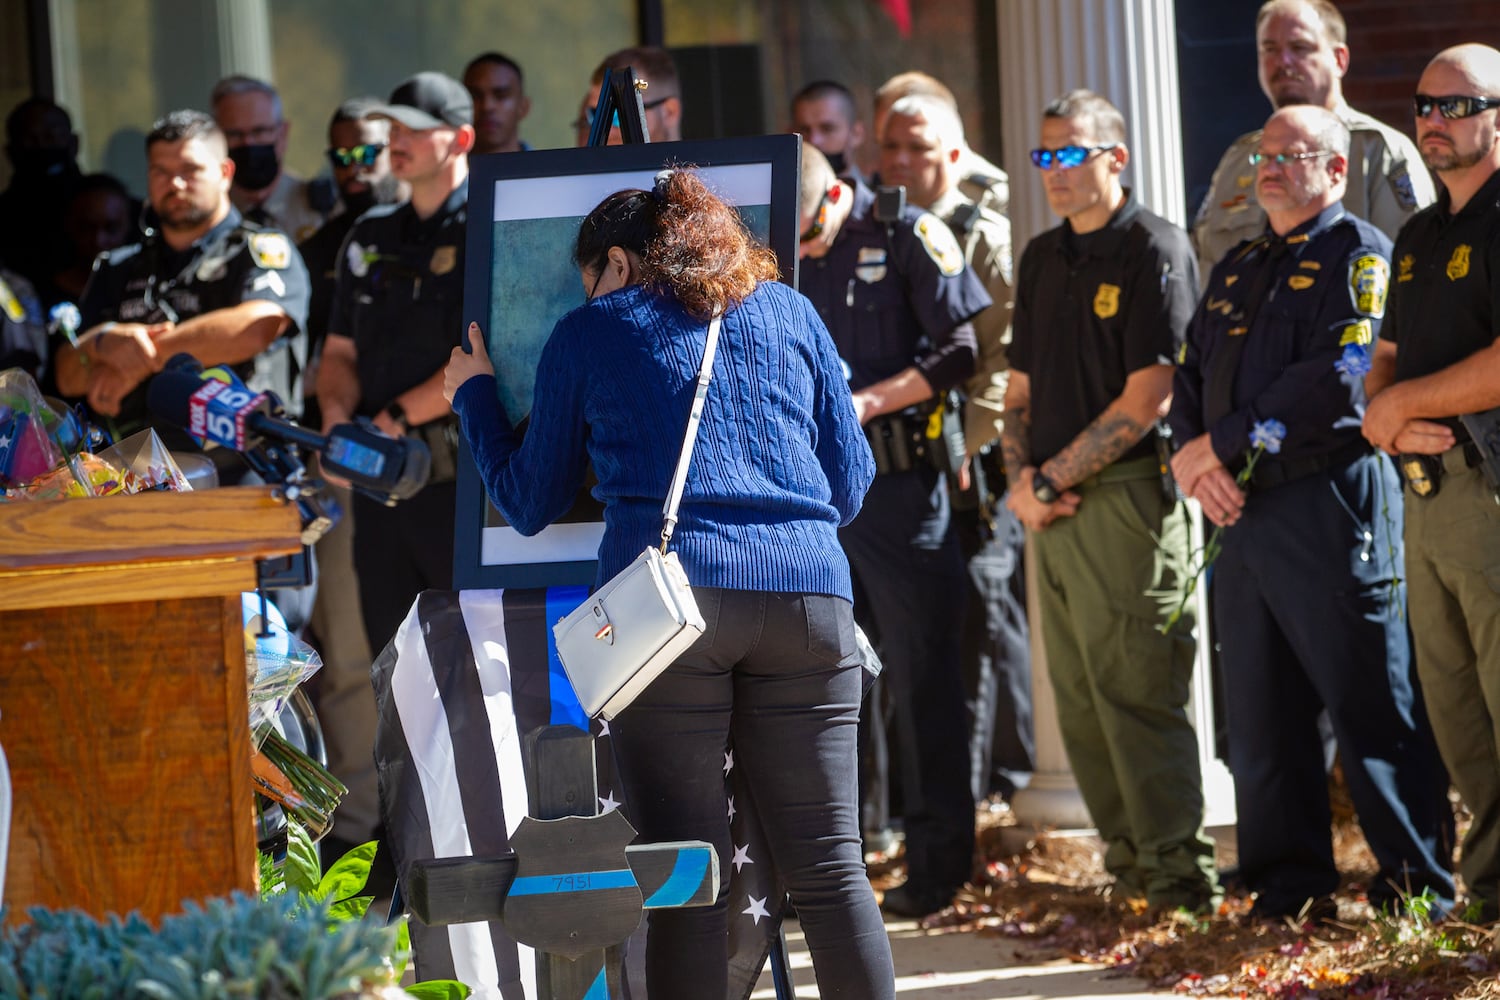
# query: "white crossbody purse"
644,617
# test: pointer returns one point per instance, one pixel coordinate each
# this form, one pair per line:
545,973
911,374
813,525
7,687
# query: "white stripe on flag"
425,726
484,621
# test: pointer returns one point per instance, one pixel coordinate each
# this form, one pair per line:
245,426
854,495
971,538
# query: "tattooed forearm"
1015,440
1111,435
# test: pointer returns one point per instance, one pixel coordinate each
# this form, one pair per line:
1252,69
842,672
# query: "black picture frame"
523,214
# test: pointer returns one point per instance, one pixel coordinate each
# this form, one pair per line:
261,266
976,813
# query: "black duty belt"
1271,472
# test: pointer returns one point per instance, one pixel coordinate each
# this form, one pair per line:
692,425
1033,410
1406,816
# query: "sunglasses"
819,221
1284,159
1067,157
587,121
364,156
1453,105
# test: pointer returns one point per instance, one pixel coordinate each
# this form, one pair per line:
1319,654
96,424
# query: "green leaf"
271,882
348,874
402,957
350,909
301,870
438,989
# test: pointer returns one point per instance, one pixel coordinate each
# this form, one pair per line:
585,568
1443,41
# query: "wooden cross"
574,888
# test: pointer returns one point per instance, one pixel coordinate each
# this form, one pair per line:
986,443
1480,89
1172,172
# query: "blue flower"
1355,362
1268,434
64,318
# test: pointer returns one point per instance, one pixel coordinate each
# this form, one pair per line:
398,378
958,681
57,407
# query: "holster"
441,436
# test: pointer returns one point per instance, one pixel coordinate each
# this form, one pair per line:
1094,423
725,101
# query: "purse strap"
679,478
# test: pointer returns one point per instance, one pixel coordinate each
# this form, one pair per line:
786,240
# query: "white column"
244,33
1125,50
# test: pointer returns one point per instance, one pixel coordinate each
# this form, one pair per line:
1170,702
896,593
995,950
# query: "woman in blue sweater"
779,464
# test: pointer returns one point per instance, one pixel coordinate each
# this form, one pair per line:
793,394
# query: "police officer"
249,112
205,282
1099,302
397,314
1434,361
980,180
1303,55
922,150
898,299
1309,598
824,114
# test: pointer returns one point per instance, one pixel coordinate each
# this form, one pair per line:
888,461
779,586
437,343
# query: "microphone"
232,416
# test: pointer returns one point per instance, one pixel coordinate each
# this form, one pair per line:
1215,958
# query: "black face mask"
40,163
838,161
255,167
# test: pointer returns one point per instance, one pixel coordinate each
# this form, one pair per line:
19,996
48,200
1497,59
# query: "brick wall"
1391,42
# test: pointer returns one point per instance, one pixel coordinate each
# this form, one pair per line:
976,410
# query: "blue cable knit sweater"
780,460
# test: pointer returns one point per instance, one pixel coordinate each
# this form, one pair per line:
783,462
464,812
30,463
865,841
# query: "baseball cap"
429,100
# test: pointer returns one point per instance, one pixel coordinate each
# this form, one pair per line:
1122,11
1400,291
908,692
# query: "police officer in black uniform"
396,316
898,298
1309,596
204,282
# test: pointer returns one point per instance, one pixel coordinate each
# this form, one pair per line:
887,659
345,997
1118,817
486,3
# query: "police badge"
444,259
1106,300
1458,264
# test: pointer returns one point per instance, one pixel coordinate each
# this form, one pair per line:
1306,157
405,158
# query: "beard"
184,215
1451,157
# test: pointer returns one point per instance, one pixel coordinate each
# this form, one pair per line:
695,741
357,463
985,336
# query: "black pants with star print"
772,687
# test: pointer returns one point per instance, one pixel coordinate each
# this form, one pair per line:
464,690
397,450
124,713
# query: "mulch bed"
1052,896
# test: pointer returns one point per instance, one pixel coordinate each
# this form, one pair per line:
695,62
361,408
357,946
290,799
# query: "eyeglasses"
587,119
364,155
1453,105
1067,157
1285,159
820,221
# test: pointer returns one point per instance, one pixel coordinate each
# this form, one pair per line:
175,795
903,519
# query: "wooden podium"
123,703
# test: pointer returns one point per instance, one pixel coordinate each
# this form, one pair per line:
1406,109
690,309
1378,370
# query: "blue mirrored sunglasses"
1066,157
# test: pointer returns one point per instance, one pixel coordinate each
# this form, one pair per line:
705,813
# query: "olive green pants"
1108,578
1453,591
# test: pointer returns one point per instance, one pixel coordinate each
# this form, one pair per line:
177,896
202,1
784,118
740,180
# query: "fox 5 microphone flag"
466,676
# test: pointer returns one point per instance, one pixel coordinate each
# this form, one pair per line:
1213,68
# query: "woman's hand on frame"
464,365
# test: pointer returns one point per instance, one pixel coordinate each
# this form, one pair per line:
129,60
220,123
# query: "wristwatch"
397,412
1042,488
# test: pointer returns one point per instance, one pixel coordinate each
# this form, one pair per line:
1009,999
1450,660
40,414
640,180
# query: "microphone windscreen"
170,393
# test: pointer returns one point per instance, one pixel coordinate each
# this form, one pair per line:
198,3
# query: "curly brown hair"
692,246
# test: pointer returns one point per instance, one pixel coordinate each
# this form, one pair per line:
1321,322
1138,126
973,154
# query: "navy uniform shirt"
23,331
400,296
1445,298
896,296
234,262
1092,309
1324,292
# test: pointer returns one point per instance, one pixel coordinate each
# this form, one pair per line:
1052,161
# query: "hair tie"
659,186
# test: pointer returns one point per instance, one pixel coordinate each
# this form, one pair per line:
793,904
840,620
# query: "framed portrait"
524,214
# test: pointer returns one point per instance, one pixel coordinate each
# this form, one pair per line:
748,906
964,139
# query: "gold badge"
270,250
1245,182
1407,263
444,259
1369,281
1416,477
1107,301
1359,332
937,239
1299,282
1458,264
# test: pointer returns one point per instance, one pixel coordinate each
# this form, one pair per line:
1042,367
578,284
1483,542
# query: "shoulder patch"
1369,281
1406,195
940,244
11,304
270,250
